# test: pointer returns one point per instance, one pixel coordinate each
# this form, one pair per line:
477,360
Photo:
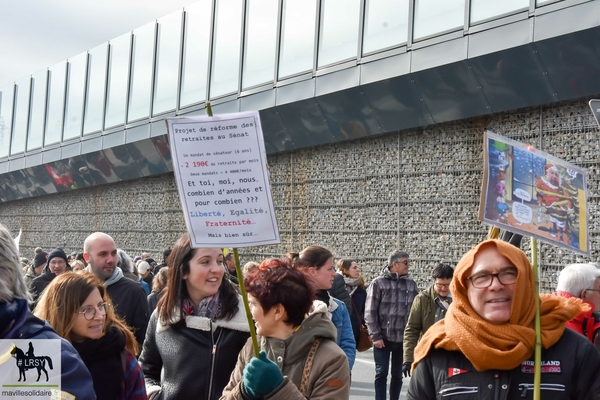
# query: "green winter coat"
421,318
30,276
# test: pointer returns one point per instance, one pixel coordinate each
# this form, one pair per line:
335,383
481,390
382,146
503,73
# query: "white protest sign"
221,172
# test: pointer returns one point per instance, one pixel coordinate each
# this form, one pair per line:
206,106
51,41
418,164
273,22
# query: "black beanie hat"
57,252
40,259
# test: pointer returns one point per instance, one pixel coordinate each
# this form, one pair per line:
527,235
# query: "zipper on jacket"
212,365
525,387
497,386
387,330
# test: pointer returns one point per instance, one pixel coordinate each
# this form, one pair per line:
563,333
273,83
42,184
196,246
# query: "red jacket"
585,323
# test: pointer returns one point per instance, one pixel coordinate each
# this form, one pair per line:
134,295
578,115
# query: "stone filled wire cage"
419,191
415,190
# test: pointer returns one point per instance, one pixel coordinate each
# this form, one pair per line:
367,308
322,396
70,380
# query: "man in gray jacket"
389,299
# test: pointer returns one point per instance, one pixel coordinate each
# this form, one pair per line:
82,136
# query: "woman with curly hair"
299,357
77,306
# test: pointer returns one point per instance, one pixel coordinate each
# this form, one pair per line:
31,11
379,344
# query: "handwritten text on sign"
222,178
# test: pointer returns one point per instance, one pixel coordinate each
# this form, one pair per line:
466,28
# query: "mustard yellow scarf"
498,346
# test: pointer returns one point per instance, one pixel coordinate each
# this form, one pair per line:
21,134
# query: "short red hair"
275,281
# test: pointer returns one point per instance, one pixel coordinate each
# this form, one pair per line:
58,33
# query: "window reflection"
261,38
226,53
141,72
21,115
117,80
56,102
386,24
195,53
75,93
38,109
6,112
298,37
94,106
167,65
339,31
485,9
435,16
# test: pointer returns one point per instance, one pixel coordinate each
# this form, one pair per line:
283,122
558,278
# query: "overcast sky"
35,34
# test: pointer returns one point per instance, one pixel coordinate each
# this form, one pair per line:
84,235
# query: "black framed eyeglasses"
90,312
442,285
593,290
405,262
482,281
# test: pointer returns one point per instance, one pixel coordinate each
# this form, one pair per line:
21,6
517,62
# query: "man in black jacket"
484,347
56,264
128,298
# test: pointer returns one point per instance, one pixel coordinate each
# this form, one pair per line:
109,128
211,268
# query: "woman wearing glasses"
77,306
429,307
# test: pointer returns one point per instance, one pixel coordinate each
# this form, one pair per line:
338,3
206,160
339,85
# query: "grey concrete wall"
417,191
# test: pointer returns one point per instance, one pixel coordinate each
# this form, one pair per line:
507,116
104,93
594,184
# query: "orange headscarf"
498,346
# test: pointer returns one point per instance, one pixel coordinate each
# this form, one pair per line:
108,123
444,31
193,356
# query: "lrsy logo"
30,361
18,357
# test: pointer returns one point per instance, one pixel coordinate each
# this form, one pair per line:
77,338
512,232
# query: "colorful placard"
532,193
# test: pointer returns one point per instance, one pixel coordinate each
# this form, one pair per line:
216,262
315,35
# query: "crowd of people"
133,329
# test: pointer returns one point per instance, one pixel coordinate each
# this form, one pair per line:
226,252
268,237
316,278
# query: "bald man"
128,298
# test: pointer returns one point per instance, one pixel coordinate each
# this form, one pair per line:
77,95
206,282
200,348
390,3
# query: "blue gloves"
261,376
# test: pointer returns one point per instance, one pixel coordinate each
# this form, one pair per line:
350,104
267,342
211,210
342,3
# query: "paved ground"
363,376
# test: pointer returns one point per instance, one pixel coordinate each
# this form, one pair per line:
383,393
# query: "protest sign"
221,172
532,193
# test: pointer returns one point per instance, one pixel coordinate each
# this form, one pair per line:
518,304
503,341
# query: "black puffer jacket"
570,371
194,359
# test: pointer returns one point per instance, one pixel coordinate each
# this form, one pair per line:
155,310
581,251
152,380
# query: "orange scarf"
498,346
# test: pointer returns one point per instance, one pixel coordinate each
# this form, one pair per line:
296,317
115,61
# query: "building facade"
373,118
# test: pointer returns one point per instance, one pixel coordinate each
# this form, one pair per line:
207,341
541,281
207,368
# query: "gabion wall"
416,191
